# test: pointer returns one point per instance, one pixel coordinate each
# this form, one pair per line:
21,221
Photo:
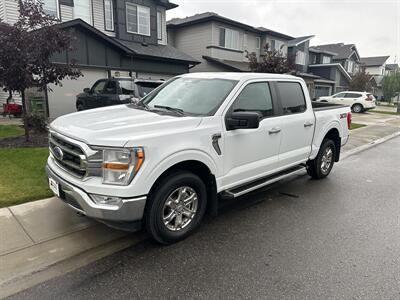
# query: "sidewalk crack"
20,224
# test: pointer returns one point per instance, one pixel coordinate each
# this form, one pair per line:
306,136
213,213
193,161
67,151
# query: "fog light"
106,200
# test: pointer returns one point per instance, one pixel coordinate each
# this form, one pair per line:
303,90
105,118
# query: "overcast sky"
373,25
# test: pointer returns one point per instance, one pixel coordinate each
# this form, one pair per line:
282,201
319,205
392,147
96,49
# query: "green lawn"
356,125
22,176
10,130
385,112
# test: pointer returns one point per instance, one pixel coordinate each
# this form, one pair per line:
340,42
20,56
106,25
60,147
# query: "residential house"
336,63
221,44
113,37
299,49
390,69
375,66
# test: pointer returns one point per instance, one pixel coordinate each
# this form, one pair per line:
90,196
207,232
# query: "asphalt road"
335,238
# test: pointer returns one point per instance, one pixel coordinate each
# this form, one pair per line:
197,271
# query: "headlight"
121,165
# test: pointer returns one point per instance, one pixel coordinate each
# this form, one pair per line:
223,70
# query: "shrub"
36,122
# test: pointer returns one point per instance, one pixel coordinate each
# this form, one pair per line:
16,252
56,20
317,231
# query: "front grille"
68,156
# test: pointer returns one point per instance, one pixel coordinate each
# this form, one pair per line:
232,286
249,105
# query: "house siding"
10,11
98,17
121,15
193,40
66,12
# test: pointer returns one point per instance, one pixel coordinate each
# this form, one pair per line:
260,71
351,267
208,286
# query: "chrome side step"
252,186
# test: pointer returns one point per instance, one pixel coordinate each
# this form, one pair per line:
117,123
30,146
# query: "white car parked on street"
358,101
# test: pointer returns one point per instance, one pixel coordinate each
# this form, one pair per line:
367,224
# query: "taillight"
348,120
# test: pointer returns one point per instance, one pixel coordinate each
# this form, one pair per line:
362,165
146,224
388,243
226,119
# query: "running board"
255,185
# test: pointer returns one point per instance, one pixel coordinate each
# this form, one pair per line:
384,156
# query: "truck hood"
114,126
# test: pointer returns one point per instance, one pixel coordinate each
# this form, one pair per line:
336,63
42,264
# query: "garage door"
62,98
321,91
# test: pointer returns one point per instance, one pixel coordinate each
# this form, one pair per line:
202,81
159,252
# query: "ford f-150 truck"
200,137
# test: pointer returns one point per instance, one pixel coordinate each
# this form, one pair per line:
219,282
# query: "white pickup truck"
163,161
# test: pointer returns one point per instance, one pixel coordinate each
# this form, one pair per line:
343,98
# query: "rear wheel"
176,207
357,108
321,166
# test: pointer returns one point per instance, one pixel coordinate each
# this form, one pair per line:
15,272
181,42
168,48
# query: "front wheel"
321,166
80,107
176,207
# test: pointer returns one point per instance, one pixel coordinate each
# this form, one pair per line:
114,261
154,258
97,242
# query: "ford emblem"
58,153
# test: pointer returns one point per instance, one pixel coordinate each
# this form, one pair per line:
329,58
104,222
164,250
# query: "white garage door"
62,98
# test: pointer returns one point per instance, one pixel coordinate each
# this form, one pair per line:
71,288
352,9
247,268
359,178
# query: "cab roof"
238,76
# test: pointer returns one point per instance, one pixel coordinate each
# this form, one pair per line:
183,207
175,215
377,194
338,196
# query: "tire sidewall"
154,213
357,106
326,144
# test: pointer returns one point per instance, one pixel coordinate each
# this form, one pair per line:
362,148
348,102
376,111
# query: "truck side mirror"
86,90
242,120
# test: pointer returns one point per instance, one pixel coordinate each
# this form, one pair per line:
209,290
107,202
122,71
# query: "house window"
83,10
229,38
350,65
300,58
159,25
50,7
326,60
245,40
277,45
137,19
108,15
258,43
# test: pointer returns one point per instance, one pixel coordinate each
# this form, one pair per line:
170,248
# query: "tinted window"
146,87
111,87
255,97
98,88
352,95
292,97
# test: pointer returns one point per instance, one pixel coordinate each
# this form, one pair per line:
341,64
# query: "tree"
391,88
26,48
273,61
361,82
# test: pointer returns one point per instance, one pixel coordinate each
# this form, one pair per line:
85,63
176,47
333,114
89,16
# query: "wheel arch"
201,169
334,135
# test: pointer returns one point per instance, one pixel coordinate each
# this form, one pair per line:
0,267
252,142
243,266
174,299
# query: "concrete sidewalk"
36,236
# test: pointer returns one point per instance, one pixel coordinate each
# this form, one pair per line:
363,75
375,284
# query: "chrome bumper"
127,210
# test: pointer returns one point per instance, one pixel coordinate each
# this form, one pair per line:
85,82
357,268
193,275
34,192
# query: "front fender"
178,157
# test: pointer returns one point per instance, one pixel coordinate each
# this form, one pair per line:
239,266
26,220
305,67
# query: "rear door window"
255,97
111,88
292,97
127,87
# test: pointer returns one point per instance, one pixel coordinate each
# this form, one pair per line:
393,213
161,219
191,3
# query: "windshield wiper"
142,104
178,110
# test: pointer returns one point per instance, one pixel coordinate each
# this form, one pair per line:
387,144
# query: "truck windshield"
198,96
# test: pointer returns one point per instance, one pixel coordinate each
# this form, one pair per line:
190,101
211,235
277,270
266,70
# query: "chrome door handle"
274,130
308,124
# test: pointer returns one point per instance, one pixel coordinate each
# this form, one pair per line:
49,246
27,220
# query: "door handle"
308,124
274,130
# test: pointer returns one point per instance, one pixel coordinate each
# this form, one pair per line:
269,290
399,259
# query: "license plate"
54,187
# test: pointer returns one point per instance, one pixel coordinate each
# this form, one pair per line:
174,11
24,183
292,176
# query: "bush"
36,122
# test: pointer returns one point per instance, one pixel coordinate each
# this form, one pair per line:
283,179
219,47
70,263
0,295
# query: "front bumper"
128,210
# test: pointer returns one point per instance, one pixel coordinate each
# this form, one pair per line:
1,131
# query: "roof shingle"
374,60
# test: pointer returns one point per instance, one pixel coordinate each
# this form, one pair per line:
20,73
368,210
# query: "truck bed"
318,106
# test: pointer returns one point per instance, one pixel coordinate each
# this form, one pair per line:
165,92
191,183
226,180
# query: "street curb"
369,145
35,277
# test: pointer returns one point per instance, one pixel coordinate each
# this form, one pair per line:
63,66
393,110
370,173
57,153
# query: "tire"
357,108
162,208
318,168
80,107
